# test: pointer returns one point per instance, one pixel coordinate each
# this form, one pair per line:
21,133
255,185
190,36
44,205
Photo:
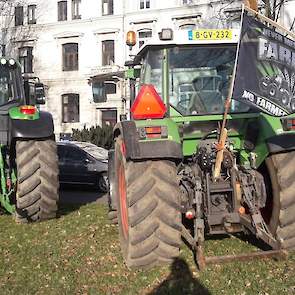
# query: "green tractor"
28,158
161,171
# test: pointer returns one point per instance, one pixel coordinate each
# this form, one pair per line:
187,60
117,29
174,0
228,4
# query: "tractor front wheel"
37,180
149,215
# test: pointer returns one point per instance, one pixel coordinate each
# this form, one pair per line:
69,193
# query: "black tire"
150,224
112,203
113,216
281,169
103,184
37,180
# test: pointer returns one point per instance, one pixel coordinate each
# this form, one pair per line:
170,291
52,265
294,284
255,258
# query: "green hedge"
100,136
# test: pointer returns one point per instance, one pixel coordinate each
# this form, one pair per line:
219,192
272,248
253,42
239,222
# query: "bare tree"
14,25
273,9
7,17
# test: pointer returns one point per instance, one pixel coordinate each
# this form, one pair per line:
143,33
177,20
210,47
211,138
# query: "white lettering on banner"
268,50
270,107
264,104
248,95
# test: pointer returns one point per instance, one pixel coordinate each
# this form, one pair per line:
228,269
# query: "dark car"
83,163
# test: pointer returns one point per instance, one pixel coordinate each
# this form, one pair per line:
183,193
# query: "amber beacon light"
131,38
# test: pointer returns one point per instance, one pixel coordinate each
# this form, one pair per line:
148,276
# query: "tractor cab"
192,77
11,84
14,90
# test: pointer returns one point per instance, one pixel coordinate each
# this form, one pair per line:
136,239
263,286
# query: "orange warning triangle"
148,104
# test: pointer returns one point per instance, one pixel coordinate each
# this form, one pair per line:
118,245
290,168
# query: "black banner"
265,74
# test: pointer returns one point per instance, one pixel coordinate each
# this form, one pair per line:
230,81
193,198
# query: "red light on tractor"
28,110
148,104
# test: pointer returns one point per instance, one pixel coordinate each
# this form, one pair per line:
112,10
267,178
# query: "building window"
25,55
70,108
145,4
19,15
108,52
70,57
109,117
2,50
76,9
98,91
31,14
110,87
107,7
101,89
143,36
187,27
233,19
62,10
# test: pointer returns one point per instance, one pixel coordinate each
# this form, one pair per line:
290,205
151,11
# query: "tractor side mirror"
34,92
39,93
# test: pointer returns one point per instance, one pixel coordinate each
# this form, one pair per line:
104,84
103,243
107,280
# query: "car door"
61,151
77,166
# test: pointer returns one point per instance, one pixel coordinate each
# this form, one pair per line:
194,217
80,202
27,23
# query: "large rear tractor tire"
281,168
37,180
149,215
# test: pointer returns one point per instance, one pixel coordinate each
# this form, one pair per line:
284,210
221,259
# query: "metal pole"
223,131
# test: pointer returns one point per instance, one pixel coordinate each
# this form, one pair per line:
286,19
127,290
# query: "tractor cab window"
152,69
10,84
199,78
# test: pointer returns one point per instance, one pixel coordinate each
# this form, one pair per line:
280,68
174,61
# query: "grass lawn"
79,253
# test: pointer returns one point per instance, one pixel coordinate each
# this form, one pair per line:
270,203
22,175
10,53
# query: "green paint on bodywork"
173,133
5,201
132,73
268,127
15,114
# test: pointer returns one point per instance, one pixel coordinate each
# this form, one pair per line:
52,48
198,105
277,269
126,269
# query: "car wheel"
103,183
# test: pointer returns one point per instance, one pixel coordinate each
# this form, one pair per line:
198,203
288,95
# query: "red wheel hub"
123,201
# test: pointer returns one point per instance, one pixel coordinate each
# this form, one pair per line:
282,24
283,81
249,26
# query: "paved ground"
77,195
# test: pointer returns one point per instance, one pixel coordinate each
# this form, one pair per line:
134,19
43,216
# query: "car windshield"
199,78
95,151
10,84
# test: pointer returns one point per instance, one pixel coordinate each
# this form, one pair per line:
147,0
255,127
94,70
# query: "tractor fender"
136,149
39,128
281,143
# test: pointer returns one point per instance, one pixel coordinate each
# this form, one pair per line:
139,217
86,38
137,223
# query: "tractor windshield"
10,84
198,77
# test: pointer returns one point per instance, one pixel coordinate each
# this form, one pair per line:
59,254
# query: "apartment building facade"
77,48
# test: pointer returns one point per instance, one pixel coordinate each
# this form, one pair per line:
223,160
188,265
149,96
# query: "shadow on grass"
65,209
71,198
251,239
180,281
